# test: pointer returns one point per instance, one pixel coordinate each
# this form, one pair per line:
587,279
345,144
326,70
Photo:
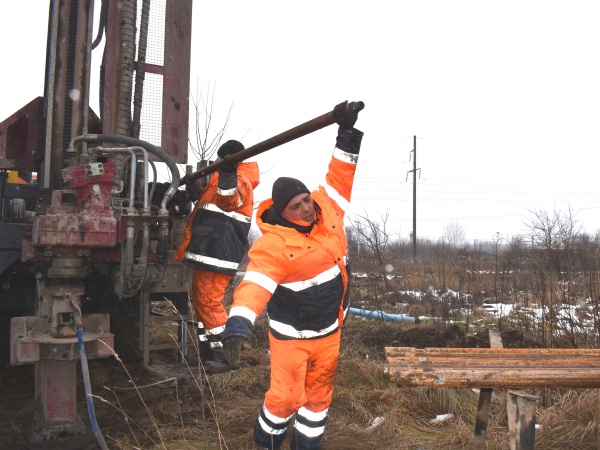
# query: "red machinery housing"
85,230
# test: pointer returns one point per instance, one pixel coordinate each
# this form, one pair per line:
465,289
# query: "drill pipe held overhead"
282,138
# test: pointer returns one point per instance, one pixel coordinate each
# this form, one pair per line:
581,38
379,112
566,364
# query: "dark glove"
194,189
345,114
231,349
227,165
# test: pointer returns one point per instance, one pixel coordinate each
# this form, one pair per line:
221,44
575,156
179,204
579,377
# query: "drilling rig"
86,230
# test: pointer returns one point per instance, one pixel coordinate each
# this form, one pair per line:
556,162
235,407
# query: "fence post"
485,400
520,407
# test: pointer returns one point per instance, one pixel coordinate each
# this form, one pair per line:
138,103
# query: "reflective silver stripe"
278,420
311,415
211,261
270,430
216,330
288,330
275,419
307,430
323,277
335,196
217,344
345,156
232,214
262,280
347,308
201,332
226,192
242,311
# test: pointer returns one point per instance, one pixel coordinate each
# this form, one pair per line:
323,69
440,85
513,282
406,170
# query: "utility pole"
414,171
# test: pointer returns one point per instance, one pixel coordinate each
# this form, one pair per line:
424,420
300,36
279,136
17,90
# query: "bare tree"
207,137
497,239
555,233
375,237
544,228
454,233
515,251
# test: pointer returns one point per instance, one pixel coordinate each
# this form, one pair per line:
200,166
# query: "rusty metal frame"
175,73
31,340
21,137
176,80
507,368
67,91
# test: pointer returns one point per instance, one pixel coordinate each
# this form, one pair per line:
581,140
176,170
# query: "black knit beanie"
284,189
230,148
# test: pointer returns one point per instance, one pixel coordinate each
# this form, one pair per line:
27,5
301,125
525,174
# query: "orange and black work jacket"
216,237
301,274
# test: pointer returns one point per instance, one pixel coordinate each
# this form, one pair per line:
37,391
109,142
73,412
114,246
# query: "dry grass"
218,412
368,411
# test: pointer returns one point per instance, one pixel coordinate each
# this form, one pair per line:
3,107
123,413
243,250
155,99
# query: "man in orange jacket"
299,271
214,243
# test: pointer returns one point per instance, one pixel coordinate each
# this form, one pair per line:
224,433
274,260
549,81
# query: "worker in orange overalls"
299,271
214,243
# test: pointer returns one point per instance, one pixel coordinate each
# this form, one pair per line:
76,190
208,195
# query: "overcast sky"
504,98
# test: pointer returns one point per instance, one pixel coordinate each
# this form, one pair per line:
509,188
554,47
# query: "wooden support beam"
520,408
485,401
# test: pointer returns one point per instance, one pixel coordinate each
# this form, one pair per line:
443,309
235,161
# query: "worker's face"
300,208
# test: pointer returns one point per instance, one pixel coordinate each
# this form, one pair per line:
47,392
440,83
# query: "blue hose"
379,315
88,390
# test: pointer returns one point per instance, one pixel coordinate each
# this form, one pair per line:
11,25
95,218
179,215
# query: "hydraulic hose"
160,263
88,391
132,142
140,73
86,377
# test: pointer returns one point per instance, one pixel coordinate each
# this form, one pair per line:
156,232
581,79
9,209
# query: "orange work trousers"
302,374
208,290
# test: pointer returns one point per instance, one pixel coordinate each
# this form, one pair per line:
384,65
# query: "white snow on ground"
578,317
442,418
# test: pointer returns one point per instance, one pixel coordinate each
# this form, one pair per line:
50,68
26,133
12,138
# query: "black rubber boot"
204,350
218,363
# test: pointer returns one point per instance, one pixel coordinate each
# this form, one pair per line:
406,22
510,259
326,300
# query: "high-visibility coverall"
301,276
215,242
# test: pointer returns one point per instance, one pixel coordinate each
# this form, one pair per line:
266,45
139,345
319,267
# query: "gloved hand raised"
227,165
345,114
231,349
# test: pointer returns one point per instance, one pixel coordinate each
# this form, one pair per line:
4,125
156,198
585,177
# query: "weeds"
454,301
368,411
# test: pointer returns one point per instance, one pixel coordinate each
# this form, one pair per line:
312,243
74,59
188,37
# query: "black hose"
160,261
132,142
101,24
162,247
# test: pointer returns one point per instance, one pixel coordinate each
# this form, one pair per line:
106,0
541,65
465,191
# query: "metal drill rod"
280,139
494,368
